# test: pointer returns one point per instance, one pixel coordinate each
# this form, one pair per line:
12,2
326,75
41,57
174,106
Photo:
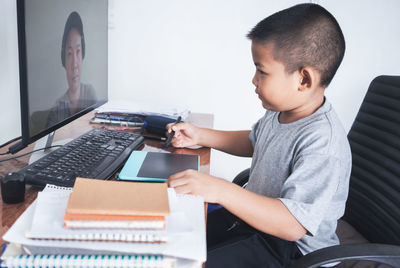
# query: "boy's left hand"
193,182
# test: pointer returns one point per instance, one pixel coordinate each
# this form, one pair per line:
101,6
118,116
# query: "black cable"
4,153
10,141
15,157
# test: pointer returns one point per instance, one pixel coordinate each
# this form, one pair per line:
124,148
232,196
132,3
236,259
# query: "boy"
301,158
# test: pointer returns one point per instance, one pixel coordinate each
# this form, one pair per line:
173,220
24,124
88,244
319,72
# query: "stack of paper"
184,225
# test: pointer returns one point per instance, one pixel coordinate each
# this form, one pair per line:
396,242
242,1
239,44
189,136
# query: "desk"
9,213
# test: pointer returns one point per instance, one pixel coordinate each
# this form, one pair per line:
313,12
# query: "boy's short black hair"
303,35
74,21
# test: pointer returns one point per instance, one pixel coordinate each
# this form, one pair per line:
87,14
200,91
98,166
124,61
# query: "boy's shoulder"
321,132
322,119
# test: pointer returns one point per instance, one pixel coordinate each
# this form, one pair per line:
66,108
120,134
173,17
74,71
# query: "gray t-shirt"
61,109
306,164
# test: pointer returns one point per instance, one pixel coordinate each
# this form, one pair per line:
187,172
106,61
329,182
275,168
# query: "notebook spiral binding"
115,224
88,261
114,237
50,187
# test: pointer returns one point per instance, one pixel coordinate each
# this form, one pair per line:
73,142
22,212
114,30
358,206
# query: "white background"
195,53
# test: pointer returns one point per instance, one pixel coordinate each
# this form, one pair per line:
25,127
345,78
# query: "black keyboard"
96,154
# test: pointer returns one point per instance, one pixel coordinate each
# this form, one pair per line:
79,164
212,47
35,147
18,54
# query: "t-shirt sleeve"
309,189
254,132
259,126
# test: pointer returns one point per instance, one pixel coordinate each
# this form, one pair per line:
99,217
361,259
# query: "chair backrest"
373,205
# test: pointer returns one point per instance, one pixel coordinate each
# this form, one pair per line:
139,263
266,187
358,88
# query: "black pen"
155,138
168,142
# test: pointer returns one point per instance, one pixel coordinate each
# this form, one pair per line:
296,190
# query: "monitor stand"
46,142
49,141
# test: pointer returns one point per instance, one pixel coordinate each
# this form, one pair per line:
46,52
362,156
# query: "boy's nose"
254,81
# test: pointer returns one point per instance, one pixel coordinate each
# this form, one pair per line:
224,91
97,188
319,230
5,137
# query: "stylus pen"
168,142
155,138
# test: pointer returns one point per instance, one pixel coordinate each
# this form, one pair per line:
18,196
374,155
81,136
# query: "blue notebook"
154,166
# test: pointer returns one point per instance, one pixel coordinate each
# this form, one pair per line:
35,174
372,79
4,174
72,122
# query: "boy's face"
276,88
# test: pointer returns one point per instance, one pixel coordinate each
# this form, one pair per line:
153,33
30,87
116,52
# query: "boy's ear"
308,78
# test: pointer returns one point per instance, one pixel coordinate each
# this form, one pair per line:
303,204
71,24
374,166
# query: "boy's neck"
303,111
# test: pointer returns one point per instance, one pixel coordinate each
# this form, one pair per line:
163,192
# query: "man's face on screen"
73,59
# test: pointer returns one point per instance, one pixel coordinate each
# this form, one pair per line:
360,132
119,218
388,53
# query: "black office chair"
373,205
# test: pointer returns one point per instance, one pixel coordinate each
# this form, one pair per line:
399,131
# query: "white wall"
10,124
196,53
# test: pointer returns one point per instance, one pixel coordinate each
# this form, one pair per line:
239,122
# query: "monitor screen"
63,53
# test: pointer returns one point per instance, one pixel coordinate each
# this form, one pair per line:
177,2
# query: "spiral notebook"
12,257
44,219
48,218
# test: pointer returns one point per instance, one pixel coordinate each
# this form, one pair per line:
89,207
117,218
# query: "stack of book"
137,114
108,224
95,213
109,211
119,119
117,205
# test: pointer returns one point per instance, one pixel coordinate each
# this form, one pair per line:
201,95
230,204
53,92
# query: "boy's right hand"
186,134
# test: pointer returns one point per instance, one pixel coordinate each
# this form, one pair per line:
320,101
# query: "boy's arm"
266,214
233,142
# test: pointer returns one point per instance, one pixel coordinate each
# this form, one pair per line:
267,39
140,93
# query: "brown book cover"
117,200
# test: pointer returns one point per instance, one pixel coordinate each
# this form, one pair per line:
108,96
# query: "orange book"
115,204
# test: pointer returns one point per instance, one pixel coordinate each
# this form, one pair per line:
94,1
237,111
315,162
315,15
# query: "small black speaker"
13,188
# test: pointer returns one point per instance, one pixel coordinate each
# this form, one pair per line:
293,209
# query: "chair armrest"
242,178
382,253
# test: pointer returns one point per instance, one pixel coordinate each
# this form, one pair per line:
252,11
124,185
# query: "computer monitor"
63,56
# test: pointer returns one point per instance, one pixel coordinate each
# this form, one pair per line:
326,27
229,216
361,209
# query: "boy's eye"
261,72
